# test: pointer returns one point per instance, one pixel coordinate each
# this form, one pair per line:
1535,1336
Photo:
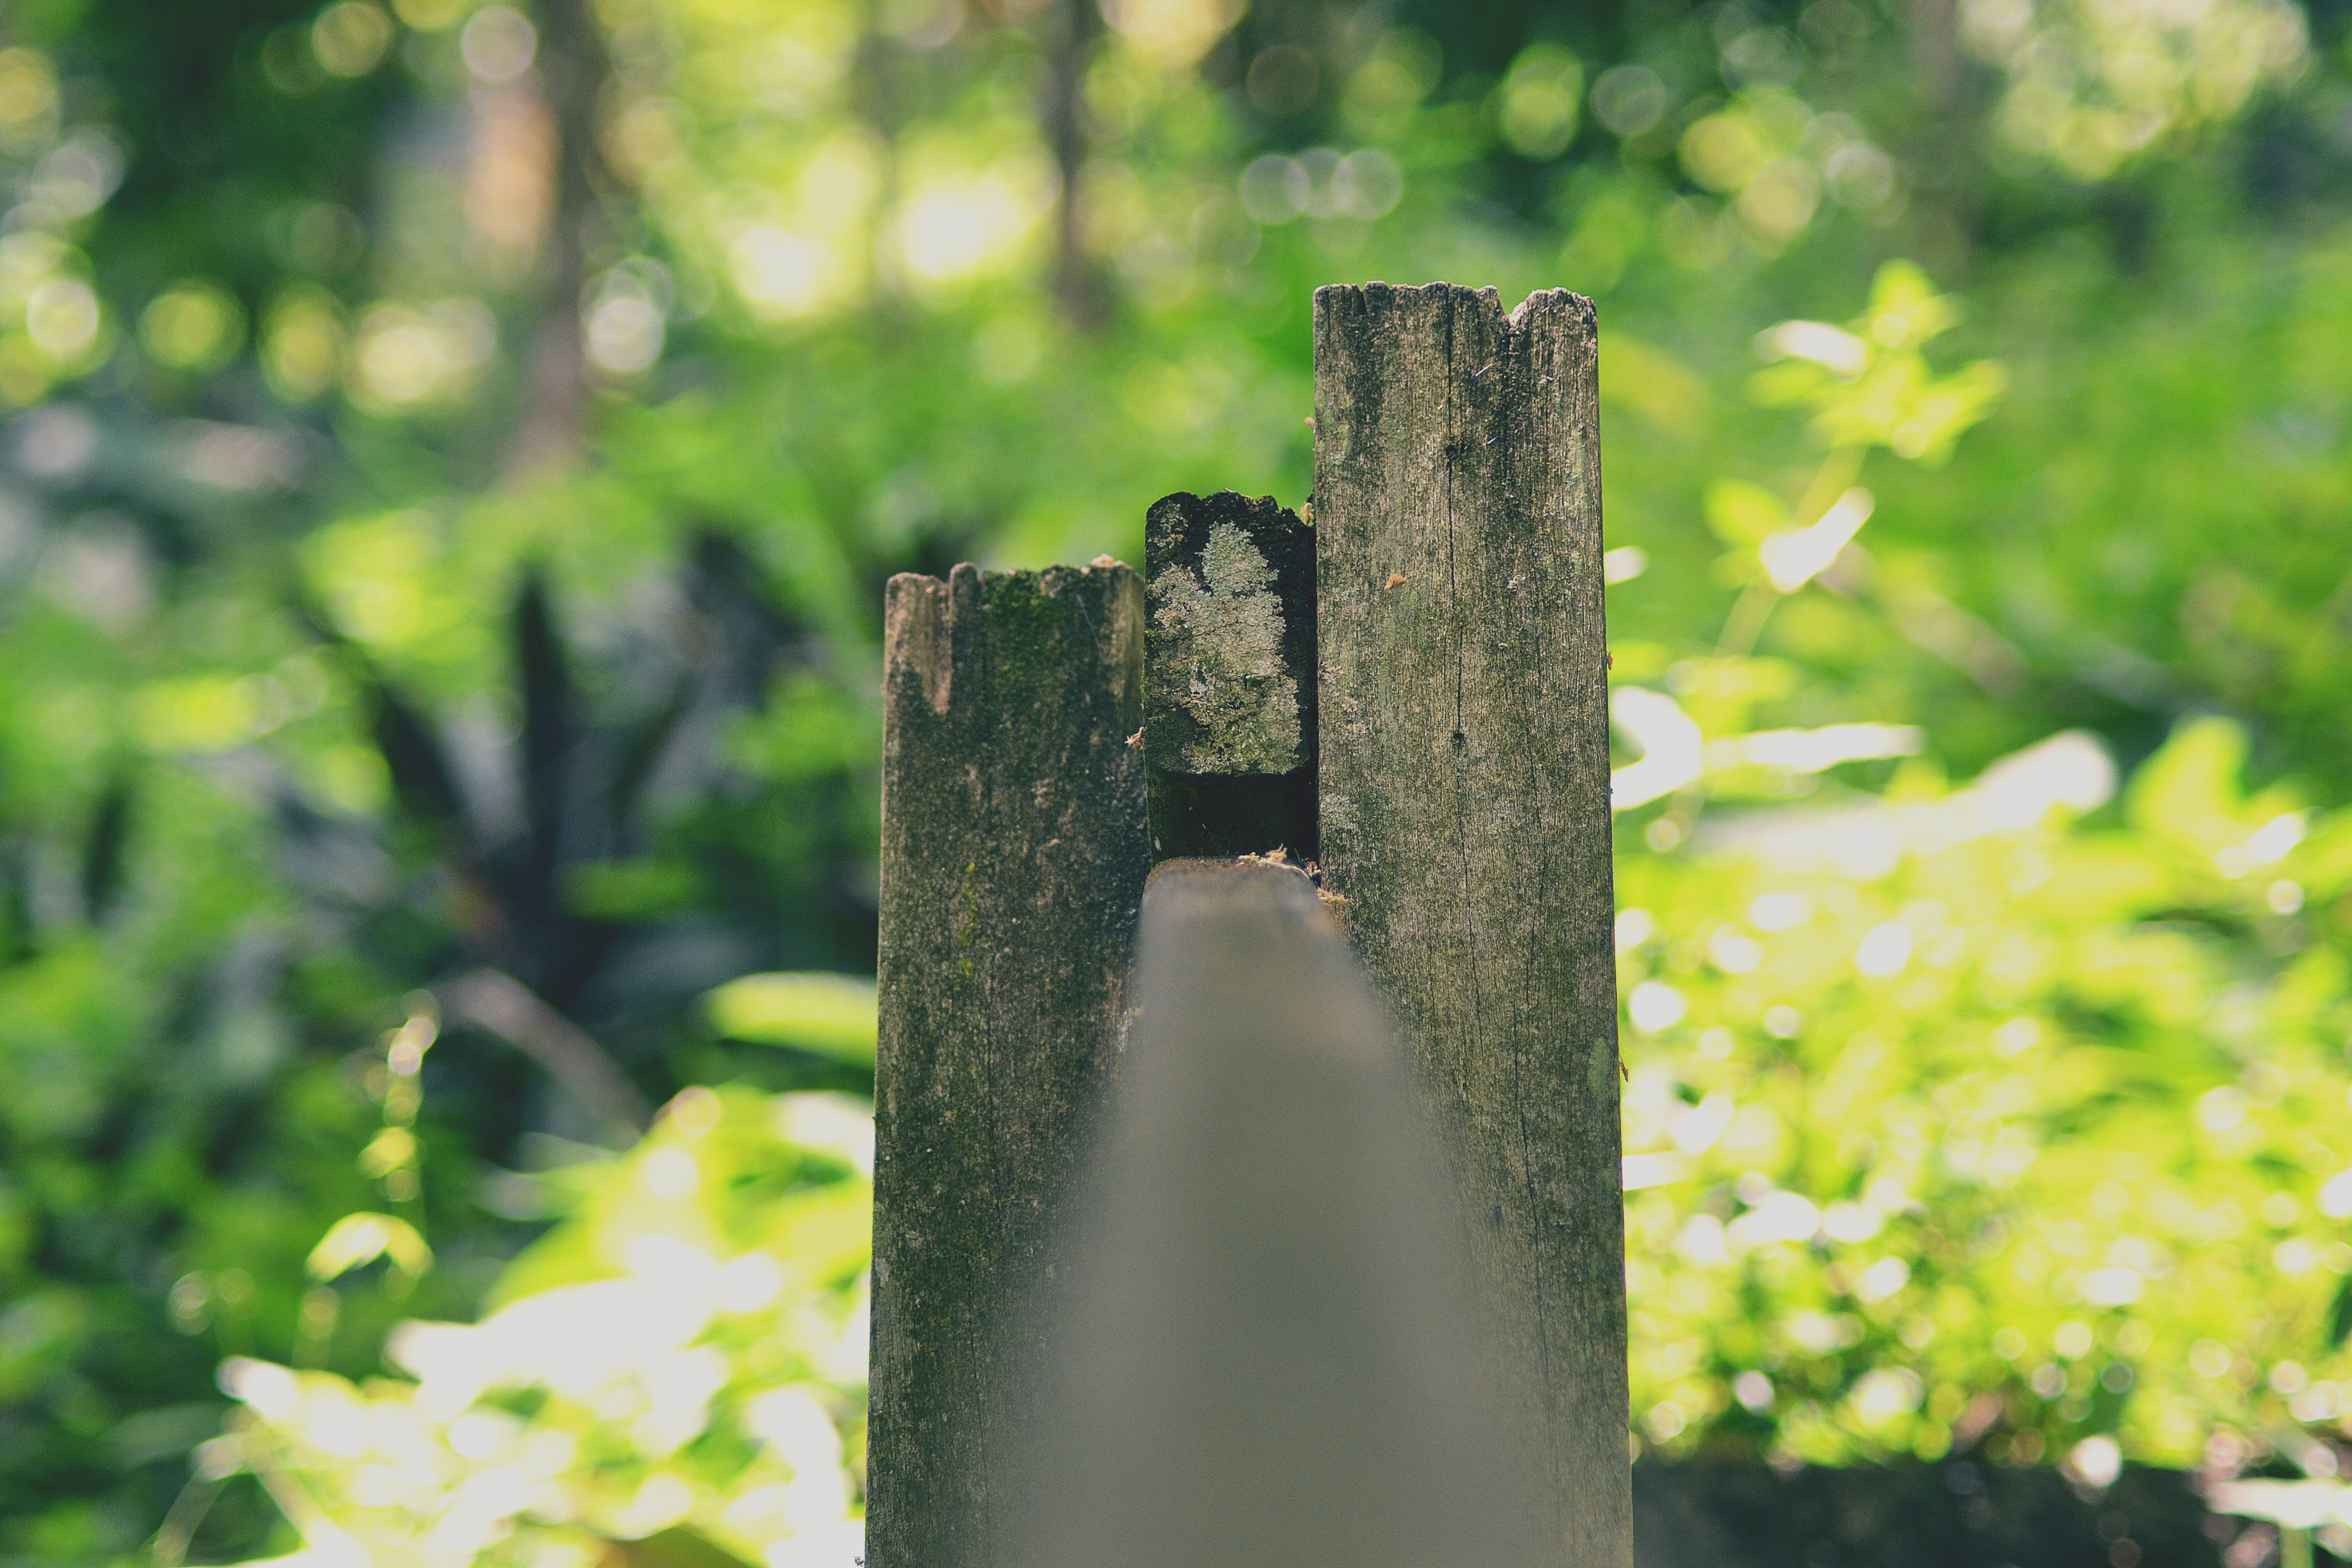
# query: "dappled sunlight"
958,226
408,354
2096,84
671,1356
1172,33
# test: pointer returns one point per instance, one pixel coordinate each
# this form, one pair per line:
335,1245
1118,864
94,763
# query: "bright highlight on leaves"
2104,1234
2095,86
358,1240
1671,749
195,326
1536,107
1623,564
672,1376
1171,34
1793,559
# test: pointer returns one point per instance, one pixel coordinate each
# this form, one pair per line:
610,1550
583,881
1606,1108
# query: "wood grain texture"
1229,676
1014,858
1465,806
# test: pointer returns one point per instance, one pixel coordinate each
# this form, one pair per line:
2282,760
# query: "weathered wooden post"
1464,805
1014,857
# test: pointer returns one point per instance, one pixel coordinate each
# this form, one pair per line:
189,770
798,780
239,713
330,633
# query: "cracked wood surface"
1464,808
1014,858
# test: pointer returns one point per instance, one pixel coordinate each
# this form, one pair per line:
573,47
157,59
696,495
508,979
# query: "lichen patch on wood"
1220,627
1229,683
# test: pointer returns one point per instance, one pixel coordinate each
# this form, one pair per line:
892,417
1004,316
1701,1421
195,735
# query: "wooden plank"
1229,676
1267,1347
1464,805
1014,857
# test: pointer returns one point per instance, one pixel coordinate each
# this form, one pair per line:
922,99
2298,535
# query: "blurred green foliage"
454,454
1960,1117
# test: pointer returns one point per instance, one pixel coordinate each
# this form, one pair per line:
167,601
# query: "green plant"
675,1372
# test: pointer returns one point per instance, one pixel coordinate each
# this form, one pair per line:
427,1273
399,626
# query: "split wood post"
1465,807
1014,858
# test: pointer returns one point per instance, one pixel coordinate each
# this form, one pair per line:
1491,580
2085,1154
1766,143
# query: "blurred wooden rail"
1266,1348
1457,720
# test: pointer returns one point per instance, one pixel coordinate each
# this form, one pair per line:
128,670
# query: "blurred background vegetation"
453,455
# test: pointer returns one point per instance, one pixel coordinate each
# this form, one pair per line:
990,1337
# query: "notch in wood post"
1229,732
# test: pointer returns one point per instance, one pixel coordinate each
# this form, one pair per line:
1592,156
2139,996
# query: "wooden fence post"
1465,807
1014,858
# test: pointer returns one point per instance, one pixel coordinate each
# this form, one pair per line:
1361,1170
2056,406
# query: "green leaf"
2323,862
831,1015
1789,383
633,890
2339,1317
2188,792
358,1240
1905,309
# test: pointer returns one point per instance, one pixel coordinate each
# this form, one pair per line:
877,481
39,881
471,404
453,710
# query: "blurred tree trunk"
573,69
881,100
1936,56
1078,284
1948,171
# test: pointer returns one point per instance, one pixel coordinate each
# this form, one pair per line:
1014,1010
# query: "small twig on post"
1229,679
1465,806
1014,856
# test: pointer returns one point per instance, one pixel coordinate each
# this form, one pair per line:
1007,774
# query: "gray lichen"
1216,647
